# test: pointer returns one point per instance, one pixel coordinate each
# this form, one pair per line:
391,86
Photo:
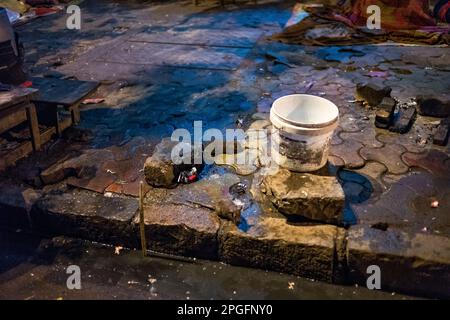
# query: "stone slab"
87,215
180,229
315,197
244,37
188,56
275,244
418,263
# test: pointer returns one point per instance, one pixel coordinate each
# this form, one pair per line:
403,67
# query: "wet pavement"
35,268
164,66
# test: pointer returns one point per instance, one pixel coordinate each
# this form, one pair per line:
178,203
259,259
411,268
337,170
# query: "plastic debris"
117,249
188,176
239,188
93,100
435,204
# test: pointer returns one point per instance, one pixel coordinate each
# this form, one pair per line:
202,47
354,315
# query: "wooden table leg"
55,121
75,112
34,126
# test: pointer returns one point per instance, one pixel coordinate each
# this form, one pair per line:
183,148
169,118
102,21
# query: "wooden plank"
47,134
34,126
11,120
64,124
75,112
16,154
16,96
63,92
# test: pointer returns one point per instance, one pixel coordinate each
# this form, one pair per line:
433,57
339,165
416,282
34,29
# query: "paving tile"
348,152
242,37
407,205
336,161
374,171
351,123
389,155
409,141
434,161
336,139
221,58
366,136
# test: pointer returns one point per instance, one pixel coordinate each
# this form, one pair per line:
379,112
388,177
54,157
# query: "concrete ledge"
417,263
274,244
410,263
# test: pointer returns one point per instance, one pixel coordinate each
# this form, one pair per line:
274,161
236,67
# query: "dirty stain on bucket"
302,129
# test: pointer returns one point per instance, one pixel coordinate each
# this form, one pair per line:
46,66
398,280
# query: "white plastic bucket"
302,129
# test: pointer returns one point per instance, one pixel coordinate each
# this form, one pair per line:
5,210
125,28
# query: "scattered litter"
110,171
132,282
378,74
120,29
309,86
291,285
435,204
26,84
188,176
117,249
238,203
108,194
151,280
239,188
93,100
424,229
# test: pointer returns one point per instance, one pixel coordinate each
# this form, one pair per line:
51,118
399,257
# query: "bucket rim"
305,125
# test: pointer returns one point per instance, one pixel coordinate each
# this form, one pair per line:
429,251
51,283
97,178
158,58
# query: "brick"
385,113
404,120
311,196
440,138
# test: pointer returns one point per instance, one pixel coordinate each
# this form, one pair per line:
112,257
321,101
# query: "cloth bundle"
403,21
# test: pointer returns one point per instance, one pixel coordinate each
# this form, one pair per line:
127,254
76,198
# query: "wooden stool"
16,108
56,93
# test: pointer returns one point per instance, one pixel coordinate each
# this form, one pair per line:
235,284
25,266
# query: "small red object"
192,178
27,84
